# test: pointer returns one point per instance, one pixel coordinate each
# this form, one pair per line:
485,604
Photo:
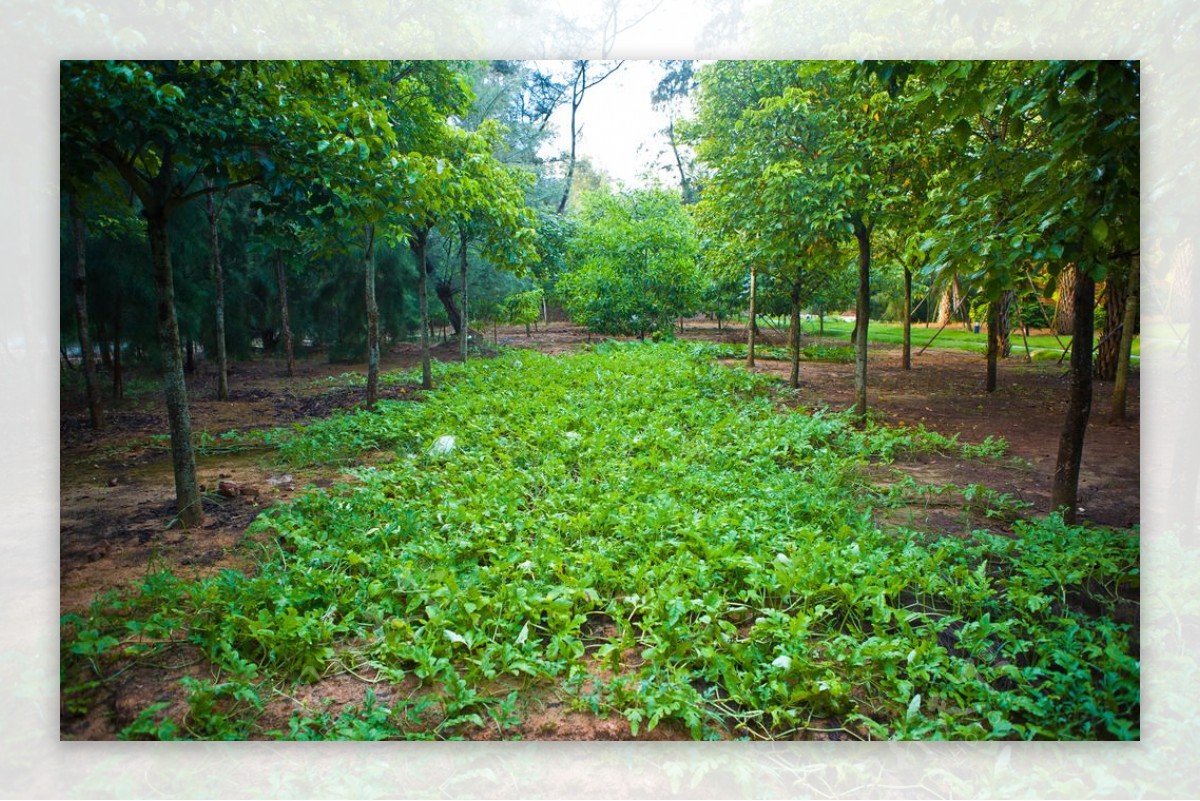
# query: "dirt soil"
117,491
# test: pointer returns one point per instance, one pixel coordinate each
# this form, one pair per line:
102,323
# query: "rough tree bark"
1121,385
218,276
1064,322
95,413
1065,492
285,318
183,456
372,318
946,305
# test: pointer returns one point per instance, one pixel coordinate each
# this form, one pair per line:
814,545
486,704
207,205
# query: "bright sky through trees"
619,130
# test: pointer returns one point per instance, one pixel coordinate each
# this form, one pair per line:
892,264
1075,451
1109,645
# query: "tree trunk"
1120,387
218,276
946,304
863,315
1064,322
1065,493
372,318
993,344
906,352
576,99
464,334
285,319
423,300
1108,353
1004,323
183,457
190,350
751,326
794,337
445,293
95,413
686,192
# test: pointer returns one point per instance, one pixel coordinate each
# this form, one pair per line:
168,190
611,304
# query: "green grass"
647,532
1042,347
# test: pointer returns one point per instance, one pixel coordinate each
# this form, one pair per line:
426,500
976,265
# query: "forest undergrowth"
655,537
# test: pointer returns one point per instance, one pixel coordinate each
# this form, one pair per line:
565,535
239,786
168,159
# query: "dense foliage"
634,268
650,533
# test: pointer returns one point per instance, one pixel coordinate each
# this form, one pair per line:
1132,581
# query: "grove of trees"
216,208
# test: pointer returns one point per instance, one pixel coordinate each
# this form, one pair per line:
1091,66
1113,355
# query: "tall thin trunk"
863,314
372,318
183,457
1108,353
752,326
993,343
794,337
906,352
464,334
576,99
1121,385
95,413
218,276
423,302
685,185
190,350
285,319
1065,493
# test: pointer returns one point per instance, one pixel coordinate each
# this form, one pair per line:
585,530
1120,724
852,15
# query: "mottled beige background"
37,34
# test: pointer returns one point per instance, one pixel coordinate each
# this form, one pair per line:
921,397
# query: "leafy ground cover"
653,536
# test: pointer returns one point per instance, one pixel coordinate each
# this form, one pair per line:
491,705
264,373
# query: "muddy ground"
117,491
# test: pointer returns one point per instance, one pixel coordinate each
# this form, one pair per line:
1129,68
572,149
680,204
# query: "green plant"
650,533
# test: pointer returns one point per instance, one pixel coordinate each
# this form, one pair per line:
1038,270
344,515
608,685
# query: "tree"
673,88
1090,209
633,264
216,270
990,143
802,153
487,206
577,86
385,176
80,285
161,125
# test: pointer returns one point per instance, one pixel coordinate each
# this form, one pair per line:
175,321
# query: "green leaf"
914,706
